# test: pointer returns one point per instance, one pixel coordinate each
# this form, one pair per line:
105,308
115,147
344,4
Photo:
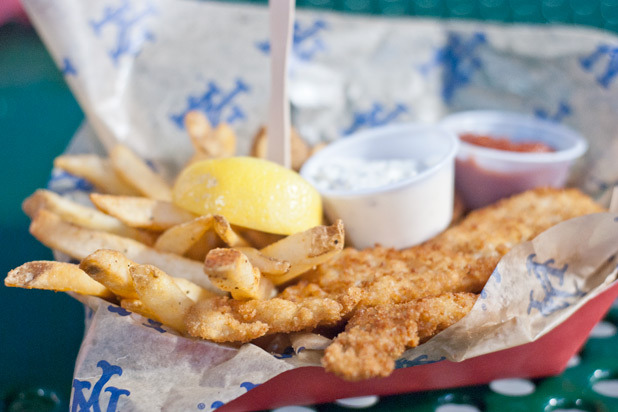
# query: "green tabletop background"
40,331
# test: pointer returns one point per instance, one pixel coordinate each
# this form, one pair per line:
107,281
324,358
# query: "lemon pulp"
250,192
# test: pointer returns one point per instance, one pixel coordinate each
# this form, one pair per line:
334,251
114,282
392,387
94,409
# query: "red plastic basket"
544,357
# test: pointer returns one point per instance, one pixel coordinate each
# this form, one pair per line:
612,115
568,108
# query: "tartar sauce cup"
391,185
484,175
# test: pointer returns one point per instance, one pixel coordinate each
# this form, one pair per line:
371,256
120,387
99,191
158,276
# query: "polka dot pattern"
294,409
603,330
454,407
607,388
574,361
358,403
512,387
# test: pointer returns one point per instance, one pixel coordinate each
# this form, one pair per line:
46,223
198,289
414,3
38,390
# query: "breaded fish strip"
222,319
375,337
461,259
216,320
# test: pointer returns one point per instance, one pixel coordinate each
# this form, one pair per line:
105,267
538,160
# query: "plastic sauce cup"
484,175
398,214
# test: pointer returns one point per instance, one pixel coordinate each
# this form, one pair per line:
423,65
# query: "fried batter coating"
461,259
348,298
222,319
214,319
376,336
282,315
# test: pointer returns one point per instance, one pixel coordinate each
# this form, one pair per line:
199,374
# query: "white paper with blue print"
136,66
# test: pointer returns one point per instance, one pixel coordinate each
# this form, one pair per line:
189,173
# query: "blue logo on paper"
217,404
117,309
603,185
607,54
459,60
130,24
63,183
306,41
378,115
89,313
94,402
68,68
287,353
551,279
153,324
496,277
419,360
248,385
216,104
564,110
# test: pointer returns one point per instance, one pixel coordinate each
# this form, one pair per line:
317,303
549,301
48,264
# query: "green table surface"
40,331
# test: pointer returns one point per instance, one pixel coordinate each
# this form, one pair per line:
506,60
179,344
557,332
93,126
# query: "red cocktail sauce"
501,143
480,185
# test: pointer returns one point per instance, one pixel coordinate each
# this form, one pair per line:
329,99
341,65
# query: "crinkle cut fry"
461,259
222,319
376,336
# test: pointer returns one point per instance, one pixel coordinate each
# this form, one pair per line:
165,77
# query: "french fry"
141,212
223,228
264,263
138,174
230,270
300,151
81,215
96,170
257,238
226,138
193,291
111,268
79,242
137,306
180,238
306,249
58,276
208,242
198,128
209,143
161,296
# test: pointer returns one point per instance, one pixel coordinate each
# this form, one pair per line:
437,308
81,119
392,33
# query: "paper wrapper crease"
136,67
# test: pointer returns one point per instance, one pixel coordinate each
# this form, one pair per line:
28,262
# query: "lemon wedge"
250,192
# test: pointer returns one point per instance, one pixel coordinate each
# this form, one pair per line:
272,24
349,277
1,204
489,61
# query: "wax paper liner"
568,273
137,66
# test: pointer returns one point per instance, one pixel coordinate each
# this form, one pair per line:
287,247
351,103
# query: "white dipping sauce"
390,185
346,174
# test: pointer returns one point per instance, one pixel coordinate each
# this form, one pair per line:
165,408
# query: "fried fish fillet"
430,278
221,319
461,259
376,336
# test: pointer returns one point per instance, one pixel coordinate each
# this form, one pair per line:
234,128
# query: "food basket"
367,106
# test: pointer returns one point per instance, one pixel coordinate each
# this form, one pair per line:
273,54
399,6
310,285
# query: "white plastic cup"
400,214
484,175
